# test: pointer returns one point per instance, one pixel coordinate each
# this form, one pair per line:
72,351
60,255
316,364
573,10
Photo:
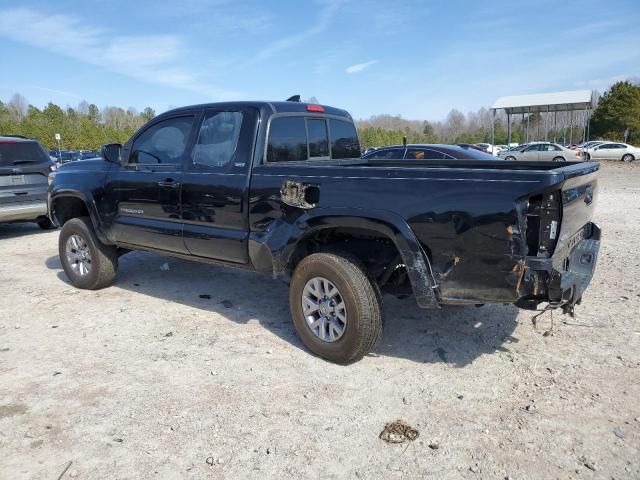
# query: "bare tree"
18,106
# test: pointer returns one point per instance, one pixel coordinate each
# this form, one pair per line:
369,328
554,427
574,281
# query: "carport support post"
555,120
546,130
508,128
493,128
586,122
528,117
571,127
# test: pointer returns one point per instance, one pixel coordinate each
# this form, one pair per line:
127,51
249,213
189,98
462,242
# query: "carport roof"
546,102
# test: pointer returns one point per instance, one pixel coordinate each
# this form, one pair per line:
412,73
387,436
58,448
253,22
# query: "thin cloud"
324,19
360,67
59,92
150,58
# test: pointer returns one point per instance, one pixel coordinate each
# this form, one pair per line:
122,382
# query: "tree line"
83,127
87,127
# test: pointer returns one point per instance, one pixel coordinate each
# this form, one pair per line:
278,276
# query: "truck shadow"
456,336
16,230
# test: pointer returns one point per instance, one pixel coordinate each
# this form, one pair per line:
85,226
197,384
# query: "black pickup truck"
281,188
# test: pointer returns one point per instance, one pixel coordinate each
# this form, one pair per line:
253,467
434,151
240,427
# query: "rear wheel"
88,263
628,158
510,158
559,159
587,156
336,309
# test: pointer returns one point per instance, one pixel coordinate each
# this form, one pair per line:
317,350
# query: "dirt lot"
146,379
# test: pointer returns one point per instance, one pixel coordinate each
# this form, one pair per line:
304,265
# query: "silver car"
542,151
613,151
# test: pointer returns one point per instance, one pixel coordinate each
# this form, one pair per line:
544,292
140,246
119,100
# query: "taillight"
578,153
315,108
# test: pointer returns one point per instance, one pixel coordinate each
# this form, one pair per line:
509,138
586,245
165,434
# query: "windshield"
12,153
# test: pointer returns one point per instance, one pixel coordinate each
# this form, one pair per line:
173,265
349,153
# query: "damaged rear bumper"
562,278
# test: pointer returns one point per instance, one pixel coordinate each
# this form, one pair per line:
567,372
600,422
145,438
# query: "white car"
487,147
541,151
613,151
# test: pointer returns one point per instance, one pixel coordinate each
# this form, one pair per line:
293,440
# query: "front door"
144,192
530,153
215,185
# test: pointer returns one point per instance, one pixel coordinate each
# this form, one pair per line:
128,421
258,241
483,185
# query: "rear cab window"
302,137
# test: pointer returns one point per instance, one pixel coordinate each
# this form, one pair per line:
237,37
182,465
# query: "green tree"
618,109
148,113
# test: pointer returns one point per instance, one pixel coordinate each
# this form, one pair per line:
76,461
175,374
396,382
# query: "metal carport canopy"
545,102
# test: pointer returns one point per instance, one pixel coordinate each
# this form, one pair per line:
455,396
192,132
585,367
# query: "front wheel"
88,262
336,309
510,158
628,158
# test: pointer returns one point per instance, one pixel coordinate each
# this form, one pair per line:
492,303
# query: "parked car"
499,148
541,151
65,156
612,151
428,152
24,168
85,154
586,145
488,148
280,188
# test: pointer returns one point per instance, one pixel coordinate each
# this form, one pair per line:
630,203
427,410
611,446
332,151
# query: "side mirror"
111,152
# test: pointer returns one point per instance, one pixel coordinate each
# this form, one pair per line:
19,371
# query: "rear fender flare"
282,238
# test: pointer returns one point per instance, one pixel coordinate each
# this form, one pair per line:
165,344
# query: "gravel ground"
146,379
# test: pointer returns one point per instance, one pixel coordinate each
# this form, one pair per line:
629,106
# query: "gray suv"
24,170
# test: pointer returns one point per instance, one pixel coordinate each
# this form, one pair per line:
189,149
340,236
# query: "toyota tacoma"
281,188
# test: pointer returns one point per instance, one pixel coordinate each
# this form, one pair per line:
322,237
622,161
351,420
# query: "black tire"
510,158
559,159
363,304
587,156
104,258
45,224
628,157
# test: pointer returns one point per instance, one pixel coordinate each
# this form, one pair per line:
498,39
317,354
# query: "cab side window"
287,140
163,143
344,139
217,139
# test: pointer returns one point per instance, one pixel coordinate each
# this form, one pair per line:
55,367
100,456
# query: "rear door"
548,152
144,192
215,185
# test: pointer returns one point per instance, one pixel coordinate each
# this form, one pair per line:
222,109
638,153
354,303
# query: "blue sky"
414,58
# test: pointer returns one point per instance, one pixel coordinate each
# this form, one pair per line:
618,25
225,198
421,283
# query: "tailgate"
20,187
579,192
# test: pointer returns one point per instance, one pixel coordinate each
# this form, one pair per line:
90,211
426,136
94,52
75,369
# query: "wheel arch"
65,205
287,243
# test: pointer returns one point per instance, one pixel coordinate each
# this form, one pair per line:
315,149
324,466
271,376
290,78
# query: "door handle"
168,183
